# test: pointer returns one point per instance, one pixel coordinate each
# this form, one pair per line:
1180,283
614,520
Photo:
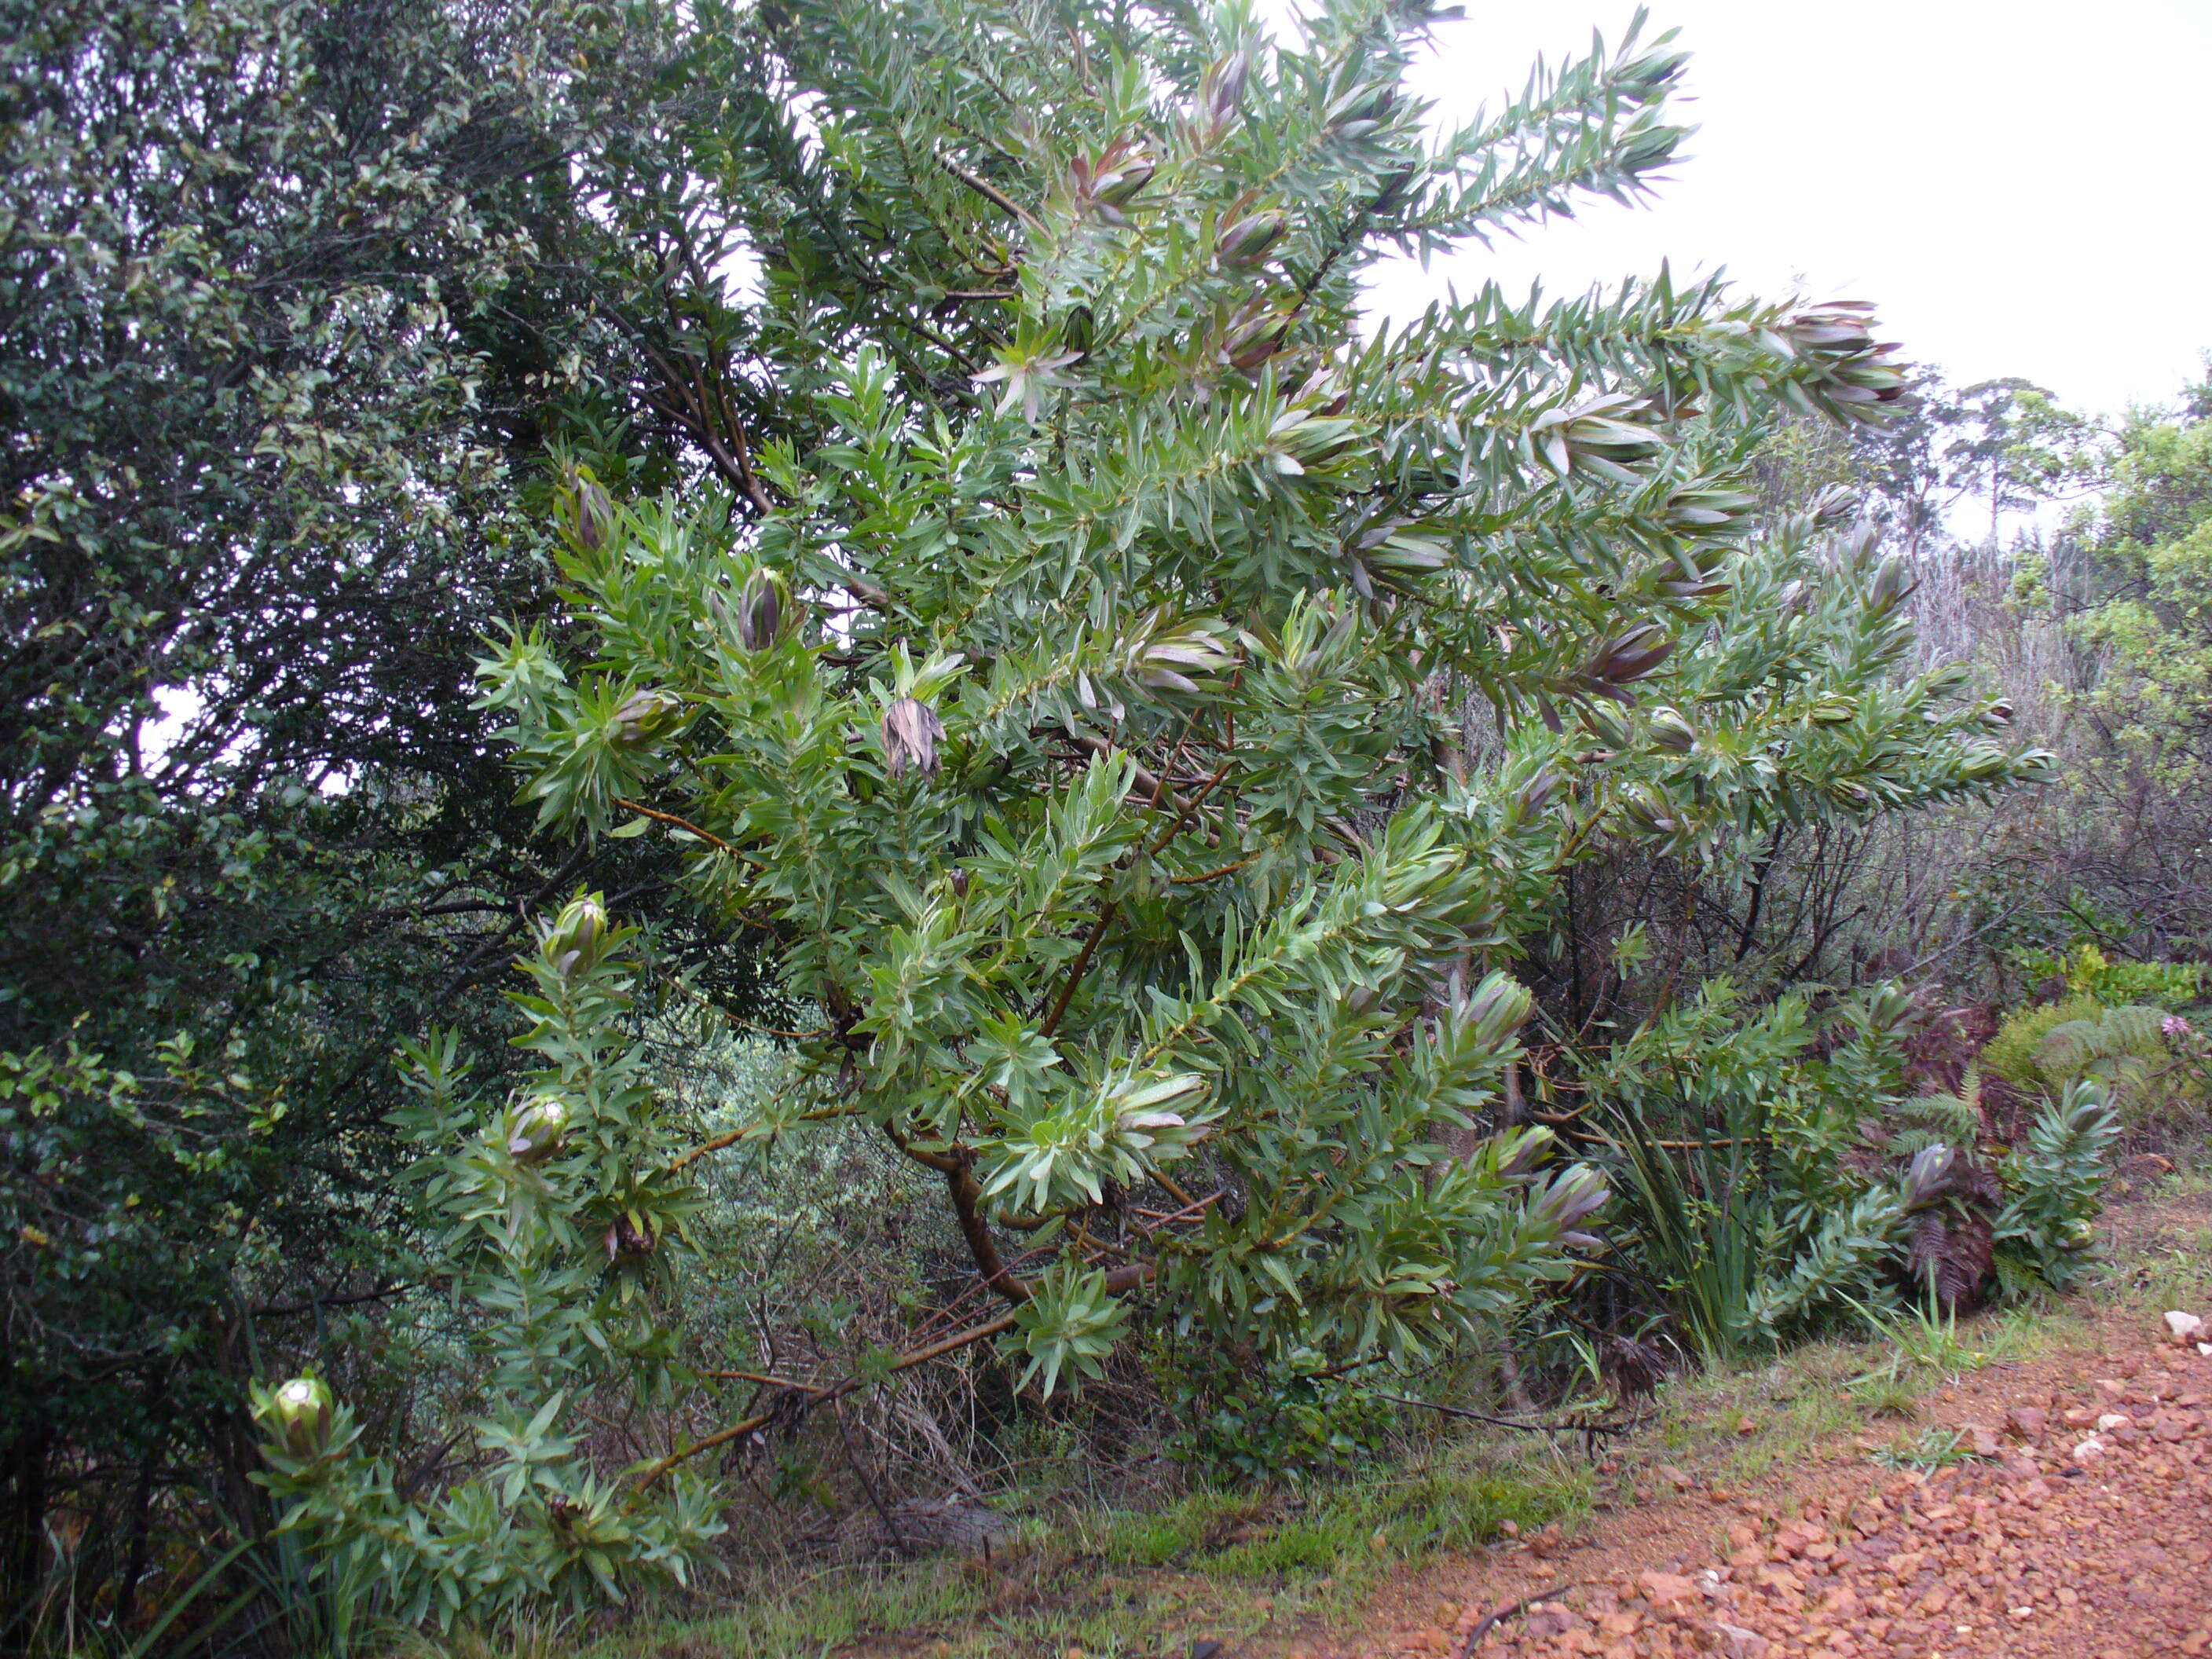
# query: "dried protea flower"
911,731
763,609
577,936
534,1131
630,1240
302,1413
1997,715
643,716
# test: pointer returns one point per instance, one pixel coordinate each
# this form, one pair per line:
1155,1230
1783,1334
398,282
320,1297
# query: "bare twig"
1492,1622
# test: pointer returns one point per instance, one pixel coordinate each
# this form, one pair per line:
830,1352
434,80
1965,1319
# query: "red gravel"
2051,1550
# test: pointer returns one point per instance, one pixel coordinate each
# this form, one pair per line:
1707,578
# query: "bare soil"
2054,1537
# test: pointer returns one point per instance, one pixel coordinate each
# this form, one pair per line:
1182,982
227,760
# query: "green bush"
2115,982
2011,1053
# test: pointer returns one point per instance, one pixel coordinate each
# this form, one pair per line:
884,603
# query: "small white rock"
2089,1449
2205,1348
2185,1326
2112,1420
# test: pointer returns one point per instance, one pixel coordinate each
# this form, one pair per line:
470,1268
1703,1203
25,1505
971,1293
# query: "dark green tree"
292,298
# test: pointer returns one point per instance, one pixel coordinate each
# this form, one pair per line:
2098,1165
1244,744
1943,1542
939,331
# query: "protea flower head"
578,935
630,1240
1574,1194
301,1413
535,1128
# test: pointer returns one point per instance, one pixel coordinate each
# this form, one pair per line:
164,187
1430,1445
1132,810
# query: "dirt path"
2079,1526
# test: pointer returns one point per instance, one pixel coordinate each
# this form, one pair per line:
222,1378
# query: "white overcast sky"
2023,188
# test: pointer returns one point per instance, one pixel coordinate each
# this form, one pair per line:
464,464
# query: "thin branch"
1511,1423
984,188
657,816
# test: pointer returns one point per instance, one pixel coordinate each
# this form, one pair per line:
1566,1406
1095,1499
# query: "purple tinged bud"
1249,240
762,610
594,510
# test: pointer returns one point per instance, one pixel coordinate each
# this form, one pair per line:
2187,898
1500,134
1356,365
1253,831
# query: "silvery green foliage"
1109,800
558,1217
2055,1184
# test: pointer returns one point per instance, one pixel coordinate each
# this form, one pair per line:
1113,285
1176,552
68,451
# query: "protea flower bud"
762,610
1835,505
1923,1180
1249,240
643,716
1670,731
535,1128
1499,1006
911,730
300,1415
1537,793
578,934
594,510
1117,186
1606,726
1079,331
1648,808
1997,715
1575,1193
1222,86
1632,656
1892,583
1255,334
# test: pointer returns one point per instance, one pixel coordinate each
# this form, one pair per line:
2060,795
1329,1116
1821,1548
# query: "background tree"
294,298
